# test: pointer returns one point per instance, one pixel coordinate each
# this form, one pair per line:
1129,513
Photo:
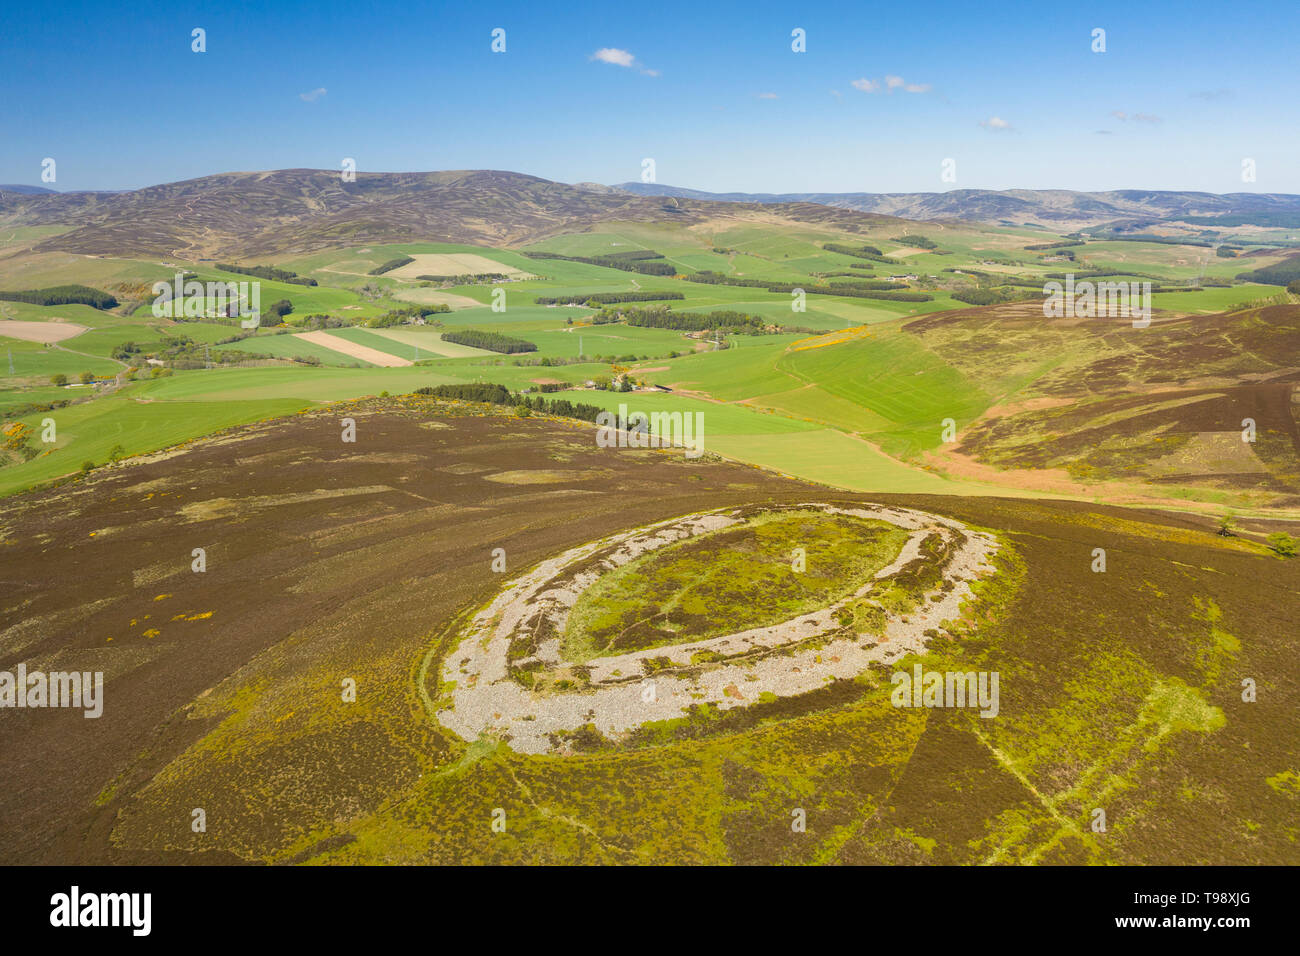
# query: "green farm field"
872,399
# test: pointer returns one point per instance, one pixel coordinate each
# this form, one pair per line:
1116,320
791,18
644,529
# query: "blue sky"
1012,92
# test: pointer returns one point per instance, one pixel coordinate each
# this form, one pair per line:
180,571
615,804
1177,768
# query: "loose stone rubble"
625,691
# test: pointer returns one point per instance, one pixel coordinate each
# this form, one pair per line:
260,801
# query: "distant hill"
300,210
1056,208
294,211
25,190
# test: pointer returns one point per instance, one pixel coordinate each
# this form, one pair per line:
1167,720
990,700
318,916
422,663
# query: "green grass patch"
704,587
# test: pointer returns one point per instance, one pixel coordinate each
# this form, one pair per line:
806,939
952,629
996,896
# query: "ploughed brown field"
328,561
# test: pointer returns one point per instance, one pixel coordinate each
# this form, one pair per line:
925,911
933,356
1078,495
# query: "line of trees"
920,242
391,264
1059,244
724,320
492,341
1101,273
321,320
981,296
466,278
500,395
407,316
997,278
1148,237
860,252
557,361
871,285
709,277
63,295
633,255
606,298
639,261
843,289
270,273
852,250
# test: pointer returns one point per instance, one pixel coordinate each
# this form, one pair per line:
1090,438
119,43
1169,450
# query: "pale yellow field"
452,264
40,331
430,341
353,350
435,297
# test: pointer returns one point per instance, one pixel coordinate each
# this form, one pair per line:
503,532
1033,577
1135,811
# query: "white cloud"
767,96
996,123
313,96
616,57
890,83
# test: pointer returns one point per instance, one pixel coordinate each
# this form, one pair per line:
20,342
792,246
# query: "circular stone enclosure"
722,608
